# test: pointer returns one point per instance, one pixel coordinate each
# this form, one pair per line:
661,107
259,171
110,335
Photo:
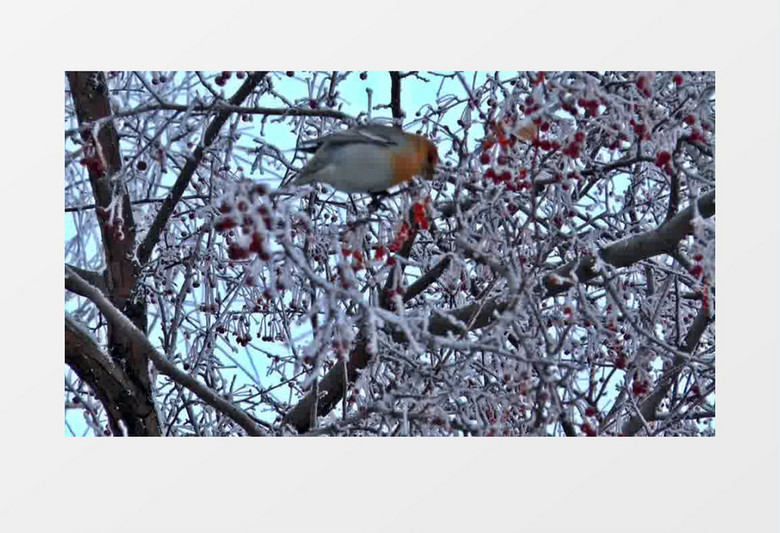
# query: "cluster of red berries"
403,234
358,259
418,213
91,161
572,149
640,130
93,165
591,106
254,220
640,387
663,161
223,77
503,174
112,225
643,85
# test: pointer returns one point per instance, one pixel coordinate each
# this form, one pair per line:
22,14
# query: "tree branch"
333,385
125,403
75,283
633,249
166,209
425,281
95,279
669,377
89,91
481,314
395,98
219,108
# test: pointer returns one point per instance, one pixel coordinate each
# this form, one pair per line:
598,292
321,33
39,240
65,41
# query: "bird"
368,159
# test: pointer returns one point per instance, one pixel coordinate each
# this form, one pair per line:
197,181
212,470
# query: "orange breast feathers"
418,158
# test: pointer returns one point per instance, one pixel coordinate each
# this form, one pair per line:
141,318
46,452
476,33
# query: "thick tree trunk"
135,409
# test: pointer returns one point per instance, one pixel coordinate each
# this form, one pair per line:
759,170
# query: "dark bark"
112,374
631,250
128,399
395,98
670,375
212,131
122,399
90,99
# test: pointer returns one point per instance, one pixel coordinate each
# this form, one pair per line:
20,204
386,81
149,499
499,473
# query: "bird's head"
430,157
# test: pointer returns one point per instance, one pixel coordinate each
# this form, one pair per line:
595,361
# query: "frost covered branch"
177,191
75,283
630,250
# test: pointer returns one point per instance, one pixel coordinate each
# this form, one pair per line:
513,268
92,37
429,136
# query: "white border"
726,483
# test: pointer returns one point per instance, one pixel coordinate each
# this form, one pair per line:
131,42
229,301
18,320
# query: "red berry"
690,120
258,243
640,387
678,79
237,252
662,158
484,158
225,223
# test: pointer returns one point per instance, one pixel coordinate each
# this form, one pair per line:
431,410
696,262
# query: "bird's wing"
323,147
379,135
315,164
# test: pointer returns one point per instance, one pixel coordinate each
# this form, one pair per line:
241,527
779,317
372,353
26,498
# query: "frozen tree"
556,277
